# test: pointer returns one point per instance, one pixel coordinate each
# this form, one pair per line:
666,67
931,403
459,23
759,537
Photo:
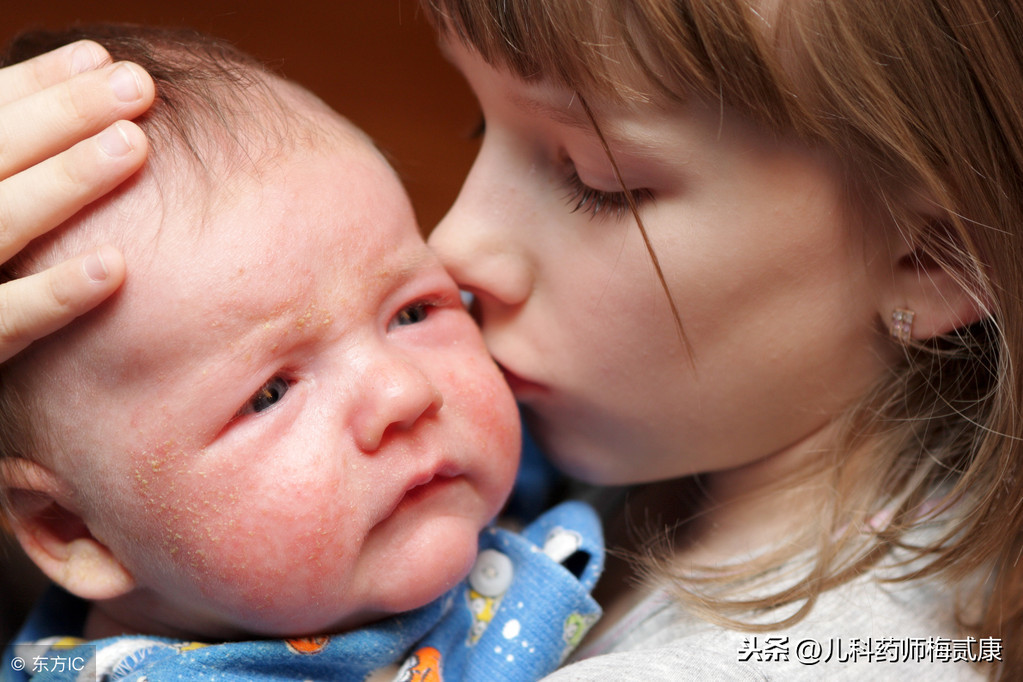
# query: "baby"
284,425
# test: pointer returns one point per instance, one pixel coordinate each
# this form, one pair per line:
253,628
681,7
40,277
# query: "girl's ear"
44,520
942,298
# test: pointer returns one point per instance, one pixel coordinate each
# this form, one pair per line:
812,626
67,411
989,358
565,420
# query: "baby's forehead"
193,191
269,260
270,211
281,127
224,240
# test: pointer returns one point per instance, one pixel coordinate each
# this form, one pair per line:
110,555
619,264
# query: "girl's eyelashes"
582,197
585,199
268,395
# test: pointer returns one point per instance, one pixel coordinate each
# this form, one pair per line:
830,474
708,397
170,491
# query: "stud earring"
901,327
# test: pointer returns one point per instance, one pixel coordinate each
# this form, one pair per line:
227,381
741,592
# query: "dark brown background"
375,61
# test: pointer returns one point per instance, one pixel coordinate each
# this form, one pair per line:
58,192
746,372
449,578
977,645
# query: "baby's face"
289,424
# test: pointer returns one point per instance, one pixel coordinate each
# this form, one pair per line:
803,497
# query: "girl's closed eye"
586,199
268,395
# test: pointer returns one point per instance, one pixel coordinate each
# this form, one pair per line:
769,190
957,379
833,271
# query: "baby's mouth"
420,492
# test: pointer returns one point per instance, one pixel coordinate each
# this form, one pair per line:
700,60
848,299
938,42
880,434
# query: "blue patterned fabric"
523,608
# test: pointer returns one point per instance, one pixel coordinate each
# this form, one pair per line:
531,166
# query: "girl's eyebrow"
570,116
566,115
623,138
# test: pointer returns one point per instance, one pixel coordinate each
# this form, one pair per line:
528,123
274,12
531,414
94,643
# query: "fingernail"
125,84
83,58
95,267
114,141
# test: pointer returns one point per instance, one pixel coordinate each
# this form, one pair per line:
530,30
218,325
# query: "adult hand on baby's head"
49,105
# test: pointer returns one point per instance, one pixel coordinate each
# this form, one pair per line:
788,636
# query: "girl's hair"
920,102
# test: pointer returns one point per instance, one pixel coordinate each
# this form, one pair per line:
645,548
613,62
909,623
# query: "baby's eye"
413,314
268,395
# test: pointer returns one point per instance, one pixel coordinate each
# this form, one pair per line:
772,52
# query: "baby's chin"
404,581
430,571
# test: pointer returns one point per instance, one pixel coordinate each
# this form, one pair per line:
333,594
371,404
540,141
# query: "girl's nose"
397,396
477,240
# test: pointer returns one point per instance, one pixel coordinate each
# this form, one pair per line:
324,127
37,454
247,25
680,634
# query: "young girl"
772,245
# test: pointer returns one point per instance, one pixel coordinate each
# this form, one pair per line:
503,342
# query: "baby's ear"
943,295
43,518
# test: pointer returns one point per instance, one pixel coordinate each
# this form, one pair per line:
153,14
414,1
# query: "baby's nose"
397,396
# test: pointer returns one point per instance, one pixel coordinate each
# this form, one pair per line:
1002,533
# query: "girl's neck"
746,510
710,520
720,517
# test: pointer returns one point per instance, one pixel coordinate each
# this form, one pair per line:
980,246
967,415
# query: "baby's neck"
142,617
100,624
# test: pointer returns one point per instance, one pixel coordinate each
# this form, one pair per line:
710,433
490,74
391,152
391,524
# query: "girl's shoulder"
683,664
866,629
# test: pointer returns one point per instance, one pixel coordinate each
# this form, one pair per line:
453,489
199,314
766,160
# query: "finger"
34,306
42,197
40,125
39,73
